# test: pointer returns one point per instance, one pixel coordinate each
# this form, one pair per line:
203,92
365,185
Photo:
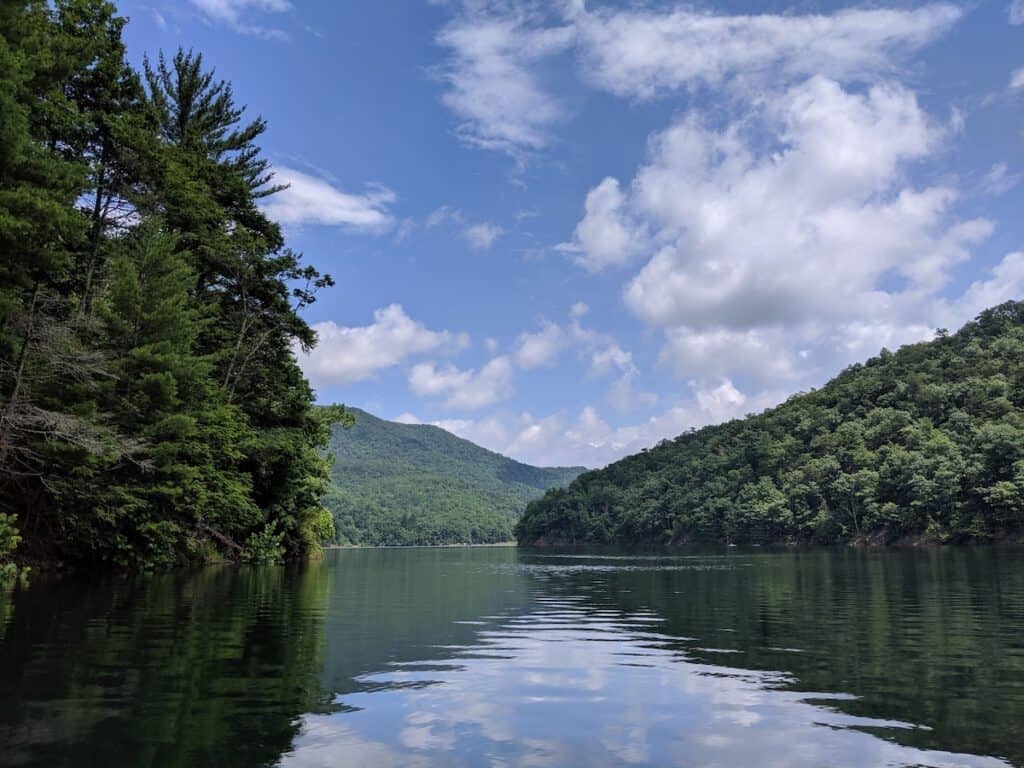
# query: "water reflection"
498,657
207,668
575,680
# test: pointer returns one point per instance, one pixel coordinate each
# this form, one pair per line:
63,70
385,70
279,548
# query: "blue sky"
567,230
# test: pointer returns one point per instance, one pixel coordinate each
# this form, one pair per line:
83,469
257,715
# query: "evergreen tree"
151,407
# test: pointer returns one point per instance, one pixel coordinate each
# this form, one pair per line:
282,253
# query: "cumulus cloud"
540,348
762,355
588,439
313,200
493,84
482,236
602,352
796,232
344,355
604,237
640,53
236,14
791,226
1017,78
467,390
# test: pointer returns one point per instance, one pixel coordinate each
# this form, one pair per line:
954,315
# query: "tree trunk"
6,433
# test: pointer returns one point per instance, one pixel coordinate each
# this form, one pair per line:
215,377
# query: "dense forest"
924,443
402,484
151,408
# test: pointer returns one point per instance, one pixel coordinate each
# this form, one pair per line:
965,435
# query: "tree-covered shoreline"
152,412
924,444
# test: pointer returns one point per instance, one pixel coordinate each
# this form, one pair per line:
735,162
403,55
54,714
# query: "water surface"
499,657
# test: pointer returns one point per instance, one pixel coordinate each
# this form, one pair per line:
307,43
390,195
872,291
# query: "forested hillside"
418,484
151,408
925,442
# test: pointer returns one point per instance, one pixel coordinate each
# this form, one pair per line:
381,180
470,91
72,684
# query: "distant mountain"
418,484
923,444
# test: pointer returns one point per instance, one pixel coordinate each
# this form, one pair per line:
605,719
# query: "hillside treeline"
927,442
416,484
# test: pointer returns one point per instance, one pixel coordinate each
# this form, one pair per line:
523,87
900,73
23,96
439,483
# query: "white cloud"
999,180
494,74
722,402
441,215
622,397
604,237
405,228
236,14
312,200
761,354
482,236
602,352
588,440
536,349
776,241
610,356
766,244
1004,282
493,83
1017,77
408,418
1016,12
639,53
463,389
344,355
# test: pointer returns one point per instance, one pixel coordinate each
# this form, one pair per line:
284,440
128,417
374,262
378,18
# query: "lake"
505,657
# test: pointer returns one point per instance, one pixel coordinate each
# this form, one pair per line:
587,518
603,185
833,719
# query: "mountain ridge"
404,484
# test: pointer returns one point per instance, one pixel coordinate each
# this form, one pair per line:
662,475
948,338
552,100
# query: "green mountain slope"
927,442
418,484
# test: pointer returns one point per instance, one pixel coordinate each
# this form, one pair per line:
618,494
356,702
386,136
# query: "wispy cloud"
493,82
1016,12
313,200
238,15
641,53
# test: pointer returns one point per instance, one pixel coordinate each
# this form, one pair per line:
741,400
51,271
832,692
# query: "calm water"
499,657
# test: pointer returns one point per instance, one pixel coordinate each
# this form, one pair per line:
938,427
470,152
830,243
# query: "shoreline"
325,548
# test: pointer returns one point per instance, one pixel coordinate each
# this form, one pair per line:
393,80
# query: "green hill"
418,484
924,443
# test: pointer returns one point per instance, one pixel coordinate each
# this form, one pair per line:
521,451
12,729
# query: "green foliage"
924,443
151,408
10,572
405,484
264,546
